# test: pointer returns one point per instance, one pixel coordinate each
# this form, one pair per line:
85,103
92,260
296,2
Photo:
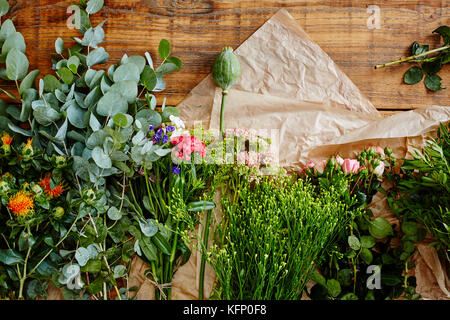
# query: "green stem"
205,248
222,111
411,57
22,279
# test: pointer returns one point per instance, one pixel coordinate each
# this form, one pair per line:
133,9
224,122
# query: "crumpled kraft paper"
281,60
288,83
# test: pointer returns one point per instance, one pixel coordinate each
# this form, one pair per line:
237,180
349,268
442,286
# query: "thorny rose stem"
411,57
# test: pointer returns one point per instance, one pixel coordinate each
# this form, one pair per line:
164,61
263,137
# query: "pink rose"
311,164
350,166
321,166
339,160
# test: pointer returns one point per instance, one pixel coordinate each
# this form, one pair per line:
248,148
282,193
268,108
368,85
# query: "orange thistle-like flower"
21,204
6,139
28,143
52,193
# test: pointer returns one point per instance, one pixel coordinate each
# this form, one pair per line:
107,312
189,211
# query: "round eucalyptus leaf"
97,56
119,271
82,255
16,65
4,7
66,75
149,228
46,115
51,83
139,61
127,71
148,78
94,6
127,89
121,120
14,40
76,116
114,214
59,45
29,81
164,49
111,104
101,159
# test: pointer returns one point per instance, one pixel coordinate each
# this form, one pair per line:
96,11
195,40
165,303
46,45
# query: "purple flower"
165,139
170,128
176,170
151,128
160,132
156,139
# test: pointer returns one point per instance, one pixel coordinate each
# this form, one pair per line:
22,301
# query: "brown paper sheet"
290,84
280,59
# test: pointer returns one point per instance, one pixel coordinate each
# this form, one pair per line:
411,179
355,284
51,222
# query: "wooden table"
198,29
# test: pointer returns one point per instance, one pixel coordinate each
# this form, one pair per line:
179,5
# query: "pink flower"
339,160
350,166
378,150
321,166
311,164
379,170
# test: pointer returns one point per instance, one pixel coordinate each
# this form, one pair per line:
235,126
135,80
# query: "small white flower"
177,121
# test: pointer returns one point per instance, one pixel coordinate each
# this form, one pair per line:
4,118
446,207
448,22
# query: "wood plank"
198,29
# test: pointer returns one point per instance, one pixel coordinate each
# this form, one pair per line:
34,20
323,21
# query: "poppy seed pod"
226,69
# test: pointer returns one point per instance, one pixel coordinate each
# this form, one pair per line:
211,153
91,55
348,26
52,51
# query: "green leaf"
72,63
85,23
6,30
432,67
139,61
333,287
127,89
119,270
97,56
92,266
366,256
46,115
409,227
121,120
14,40
82,255
76,116
367,242
101,159
114,214
199,206
94,6
128,71
176,61
19,130
148,78
149,228
16,65
66,75
380,228
62,131
4,7
317,277
93,97
29,81
418,49
350,296
354,243
51,83
26,240
164,49
10,257
169,111
94,123
433,82
444,31
413,75
59,45
165,69
111,104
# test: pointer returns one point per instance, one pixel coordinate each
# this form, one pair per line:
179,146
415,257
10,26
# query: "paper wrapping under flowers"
288,83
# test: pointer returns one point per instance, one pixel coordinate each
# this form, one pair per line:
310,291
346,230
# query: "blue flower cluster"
160,134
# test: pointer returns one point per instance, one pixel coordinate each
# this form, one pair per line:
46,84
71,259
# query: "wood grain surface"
198,29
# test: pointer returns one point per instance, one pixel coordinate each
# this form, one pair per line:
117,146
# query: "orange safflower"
6,139
21,204
28,143
52,193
